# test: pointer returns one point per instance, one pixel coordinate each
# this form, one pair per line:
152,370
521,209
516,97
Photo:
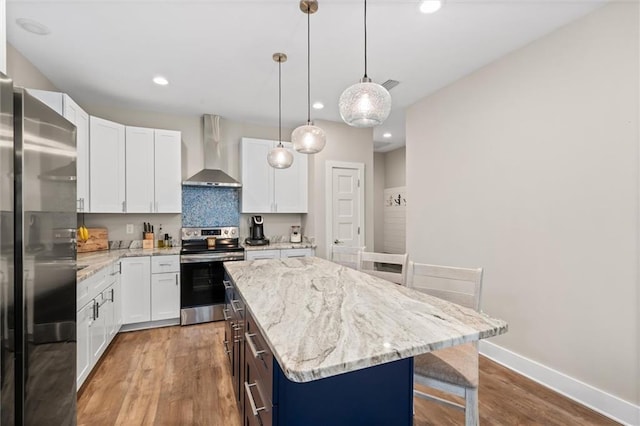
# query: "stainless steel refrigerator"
38,263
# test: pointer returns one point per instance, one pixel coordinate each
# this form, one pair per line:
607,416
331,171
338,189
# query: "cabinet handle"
164,264
256,353
177,282
96,310
254,409
234,307
124,207
157,209
120,267
151,206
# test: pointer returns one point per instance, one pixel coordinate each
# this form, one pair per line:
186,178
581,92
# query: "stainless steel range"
201,271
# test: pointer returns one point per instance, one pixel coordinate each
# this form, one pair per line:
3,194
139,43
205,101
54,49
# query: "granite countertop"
95,261
322,319
279,246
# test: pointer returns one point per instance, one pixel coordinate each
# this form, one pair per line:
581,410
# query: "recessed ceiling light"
386,135
430,6
318,105
32,26
160,80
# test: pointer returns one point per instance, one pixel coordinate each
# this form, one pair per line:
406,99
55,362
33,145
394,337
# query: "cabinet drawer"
258,353
90,287
161,264
258,409
261,254
304,252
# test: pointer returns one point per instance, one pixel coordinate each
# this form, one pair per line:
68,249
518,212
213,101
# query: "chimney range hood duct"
213,177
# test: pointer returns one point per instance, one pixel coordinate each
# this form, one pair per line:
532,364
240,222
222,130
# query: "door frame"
329,166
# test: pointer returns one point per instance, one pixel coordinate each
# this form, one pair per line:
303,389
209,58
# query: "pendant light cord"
308,63
365,39
280,102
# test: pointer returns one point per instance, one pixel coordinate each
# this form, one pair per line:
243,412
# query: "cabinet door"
168,171
108,311
291,184
165,296
136,289
106,166
261,254
139,169
84,358
257,176
98,332
117,302
80,118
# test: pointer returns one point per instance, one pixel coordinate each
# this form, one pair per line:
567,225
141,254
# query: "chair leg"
471,413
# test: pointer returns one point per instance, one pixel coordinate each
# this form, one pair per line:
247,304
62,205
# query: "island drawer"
257,350
258,408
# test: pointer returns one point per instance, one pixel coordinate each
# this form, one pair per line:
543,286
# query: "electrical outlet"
129,228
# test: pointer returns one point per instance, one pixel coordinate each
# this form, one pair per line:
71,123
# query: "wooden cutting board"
98,240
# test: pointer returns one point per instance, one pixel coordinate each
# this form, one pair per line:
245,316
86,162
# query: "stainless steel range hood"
212,177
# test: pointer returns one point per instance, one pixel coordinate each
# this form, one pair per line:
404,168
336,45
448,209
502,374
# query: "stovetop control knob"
226,232
233,232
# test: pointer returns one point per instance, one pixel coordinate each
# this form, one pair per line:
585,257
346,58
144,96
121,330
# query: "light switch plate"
129,228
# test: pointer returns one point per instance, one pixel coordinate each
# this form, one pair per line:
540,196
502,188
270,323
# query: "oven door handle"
207,258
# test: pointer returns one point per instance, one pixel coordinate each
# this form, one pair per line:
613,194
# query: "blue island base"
380,395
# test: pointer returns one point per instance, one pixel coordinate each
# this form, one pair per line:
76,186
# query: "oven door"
201,292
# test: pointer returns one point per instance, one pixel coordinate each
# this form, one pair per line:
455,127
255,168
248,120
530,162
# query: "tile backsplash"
203,206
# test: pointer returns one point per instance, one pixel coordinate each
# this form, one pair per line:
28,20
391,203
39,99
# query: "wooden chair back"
382,265
458,285
345,255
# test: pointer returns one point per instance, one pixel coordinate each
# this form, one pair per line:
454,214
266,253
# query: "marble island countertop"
90,263
322,319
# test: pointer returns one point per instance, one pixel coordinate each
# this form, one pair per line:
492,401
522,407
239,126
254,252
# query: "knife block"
148,241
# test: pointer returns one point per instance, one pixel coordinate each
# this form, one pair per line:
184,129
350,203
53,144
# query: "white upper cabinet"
154,171
106,166
168,171
269,190
65,106
140,170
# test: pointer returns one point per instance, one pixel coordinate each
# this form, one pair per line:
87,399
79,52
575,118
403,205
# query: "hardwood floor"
180,376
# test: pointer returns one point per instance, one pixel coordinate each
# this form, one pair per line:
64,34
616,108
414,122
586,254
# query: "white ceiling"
217,53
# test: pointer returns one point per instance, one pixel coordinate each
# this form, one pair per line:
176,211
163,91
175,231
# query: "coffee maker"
256,232
296,235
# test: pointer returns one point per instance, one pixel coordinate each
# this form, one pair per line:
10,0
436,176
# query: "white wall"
529,168
344,143
395,168
378,201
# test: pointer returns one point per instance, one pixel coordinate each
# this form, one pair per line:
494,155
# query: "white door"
165,296
346,204
80,119
136,289
168,171
139,160
291,184
106,166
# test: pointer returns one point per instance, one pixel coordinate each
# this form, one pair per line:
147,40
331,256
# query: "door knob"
337,242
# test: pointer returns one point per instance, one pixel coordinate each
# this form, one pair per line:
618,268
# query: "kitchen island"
320,343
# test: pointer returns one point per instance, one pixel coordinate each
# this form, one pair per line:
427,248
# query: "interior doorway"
344,205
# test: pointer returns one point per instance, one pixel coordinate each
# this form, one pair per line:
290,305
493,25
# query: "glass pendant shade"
308,139
365,104
280,157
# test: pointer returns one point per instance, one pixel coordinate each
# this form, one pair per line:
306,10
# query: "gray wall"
529,168
378,201
395,168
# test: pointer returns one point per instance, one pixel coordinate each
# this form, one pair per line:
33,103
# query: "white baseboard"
609,405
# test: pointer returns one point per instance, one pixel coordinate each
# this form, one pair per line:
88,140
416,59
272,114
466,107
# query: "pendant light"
308,139
365,104
280,157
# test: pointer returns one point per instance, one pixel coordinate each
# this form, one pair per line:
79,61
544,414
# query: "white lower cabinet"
277,254
165,296
98,320
84,318
136,289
